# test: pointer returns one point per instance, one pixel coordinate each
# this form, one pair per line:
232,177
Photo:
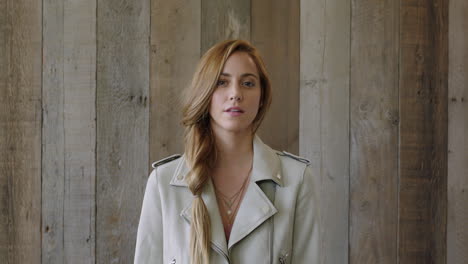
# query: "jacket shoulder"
165,160
294,157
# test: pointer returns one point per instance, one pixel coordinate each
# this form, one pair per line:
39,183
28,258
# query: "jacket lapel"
255,207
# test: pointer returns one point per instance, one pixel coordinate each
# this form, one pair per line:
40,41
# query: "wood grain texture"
423,132
324,116
122,125
20,131
275,32
68,171
457,227
53,134
175,51
224,19
374,132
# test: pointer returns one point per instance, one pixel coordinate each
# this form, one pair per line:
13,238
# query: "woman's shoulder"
165,168
294,167
292,157
165,161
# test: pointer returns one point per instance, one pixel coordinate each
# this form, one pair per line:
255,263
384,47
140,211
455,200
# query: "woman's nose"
235,92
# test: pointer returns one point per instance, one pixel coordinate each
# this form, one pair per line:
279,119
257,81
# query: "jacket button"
180,177
278,176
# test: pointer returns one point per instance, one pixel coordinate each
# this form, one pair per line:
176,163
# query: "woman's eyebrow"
242,75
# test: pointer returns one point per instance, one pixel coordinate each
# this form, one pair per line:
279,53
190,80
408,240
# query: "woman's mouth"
234,111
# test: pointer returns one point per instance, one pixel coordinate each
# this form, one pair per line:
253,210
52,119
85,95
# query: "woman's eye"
249,84
221,83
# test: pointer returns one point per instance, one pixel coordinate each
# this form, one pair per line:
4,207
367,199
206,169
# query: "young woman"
229,198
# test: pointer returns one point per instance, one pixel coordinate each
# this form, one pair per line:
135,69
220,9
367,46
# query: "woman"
230,198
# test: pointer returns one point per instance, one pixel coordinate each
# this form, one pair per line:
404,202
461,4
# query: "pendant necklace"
231,203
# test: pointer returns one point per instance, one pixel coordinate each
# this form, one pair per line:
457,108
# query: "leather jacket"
277,221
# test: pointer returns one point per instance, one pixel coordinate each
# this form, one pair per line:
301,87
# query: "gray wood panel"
20,131
224,19
68,170
122,101
324,116
457,227
374,132
53,134
275,32
175,51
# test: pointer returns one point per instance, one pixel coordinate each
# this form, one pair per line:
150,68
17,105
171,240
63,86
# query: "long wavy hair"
200,149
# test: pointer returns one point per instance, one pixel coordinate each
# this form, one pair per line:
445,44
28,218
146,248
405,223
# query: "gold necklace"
228,202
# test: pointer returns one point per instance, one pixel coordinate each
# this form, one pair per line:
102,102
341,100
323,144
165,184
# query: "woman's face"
235,101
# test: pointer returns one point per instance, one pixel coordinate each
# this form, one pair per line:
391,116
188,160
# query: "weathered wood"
457,227
68,169
175,51
224,19
53,134
374,132
275,32
423,132
122,125
20,131
324,116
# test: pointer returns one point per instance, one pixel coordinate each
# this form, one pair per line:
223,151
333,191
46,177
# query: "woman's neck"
234,149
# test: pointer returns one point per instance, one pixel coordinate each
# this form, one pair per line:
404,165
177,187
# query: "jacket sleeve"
306,239
149,242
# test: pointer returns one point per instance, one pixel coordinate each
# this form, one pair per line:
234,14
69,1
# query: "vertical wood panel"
324,116
423,132
175,50
275,32
69,131
374,132
122,125
80,130
224,19
20,131
457,227
53,161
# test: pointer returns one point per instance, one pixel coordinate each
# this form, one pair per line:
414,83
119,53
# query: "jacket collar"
255,207
266,165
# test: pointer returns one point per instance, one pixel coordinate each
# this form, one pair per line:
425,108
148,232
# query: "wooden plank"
69,91
53,134
122,147
374,132
324,116
20,131
457,227
275,32
175,51
80,130
423,132
224,19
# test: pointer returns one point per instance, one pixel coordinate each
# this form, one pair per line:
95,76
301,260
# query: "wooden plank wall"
324,116
224,19
275,32
423,131
175,50
362,88
20,131
457,230
122,111
374,132
68,131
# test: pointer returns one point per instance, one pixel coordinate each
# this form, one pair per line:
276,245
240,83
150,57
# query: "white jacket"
283,231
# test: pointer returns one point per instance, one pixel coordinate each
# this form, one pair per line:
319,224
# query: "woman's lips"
233,113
